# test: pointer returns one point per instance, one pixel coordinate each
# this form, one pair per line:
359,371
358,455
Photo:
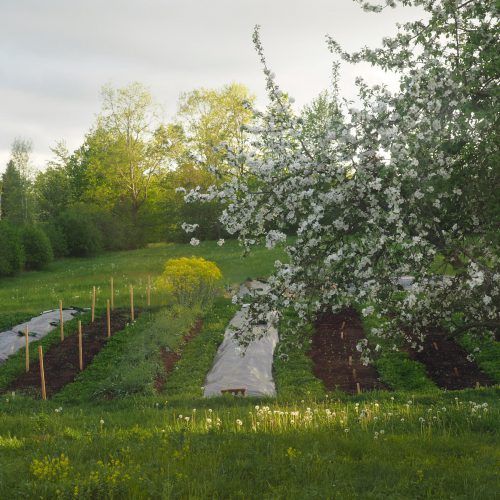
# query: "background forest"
122,180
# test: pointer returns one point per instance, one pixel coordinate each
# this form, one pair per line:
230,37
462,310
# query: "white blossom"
371,192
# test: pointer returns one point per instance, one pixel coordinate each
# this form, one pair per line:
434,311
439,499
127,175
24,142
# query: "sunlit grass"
71,280
440,446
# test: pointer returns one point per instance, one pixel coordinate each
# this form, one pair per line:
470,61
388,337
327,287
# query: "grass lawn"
111,434
428,446
71,280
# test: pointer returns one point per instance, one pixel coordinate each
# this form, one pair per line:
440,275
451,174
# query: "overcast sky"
55,55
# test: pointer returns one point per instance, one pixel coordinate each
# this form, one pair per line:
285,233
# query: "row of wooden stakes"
110,303
349,362
40,355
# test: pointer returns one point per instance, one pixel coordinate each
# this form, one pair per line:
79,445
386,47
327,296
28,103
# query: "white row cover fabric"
13,340
250,368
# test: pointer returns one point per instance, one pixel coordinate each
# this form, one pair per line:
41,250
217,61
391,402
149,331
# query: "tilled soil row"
61,361
336,361
447,364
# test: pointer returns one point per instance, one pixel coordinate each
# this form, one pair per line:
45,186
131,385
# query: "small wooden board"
234,392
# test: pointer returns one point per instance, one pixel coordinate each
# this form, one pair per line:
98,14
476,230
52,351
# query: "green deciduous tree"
126,149
16,184
214,124
214,120
52,188
21,158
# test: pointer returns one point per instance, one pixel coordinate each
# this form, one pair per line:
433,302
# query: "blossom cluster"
401,185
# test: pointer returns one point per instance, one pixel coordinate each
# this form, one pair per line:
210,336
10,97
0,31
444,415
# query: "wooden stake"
112,294
93,303
477,385
435,346
80,345
148,291
42,372
358,388
108,317
456,371
343,325
342,334
132,316
354,373
61,321
26,335
350,360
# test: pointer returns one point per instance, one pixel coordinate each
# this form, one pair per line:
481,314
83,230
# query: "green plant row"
130,361
188,376
396,369
292,367
488,355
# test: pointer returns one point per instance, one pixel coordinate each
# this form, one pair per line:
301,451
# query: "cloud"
56,55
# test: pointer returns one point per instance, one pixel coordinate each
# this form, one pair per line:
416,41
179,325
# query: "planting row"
334,359
63,361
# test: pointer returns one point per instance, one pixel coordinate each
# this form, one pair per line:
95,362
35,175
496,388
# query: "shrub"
190,281
82,236
115,228
57,239
11,250
37,248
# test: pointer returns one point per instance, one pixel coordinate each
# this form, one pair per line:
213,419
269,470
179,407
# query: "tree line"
118,190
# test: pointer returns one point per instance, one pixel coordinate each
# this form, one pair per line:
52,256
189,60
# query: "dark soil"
330,353
447,364
170,358
61,361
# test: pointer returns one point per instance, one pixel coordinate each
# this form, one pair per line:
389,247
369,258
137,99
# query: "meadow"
71,280
113,434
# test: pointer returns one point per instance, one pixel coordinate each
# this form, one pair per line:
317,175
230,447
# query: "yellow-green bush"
189,281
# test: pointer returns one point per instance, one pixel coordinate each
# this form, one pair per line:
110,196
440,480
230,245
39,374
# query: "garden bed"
447,365
170,358
61,361
330,353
